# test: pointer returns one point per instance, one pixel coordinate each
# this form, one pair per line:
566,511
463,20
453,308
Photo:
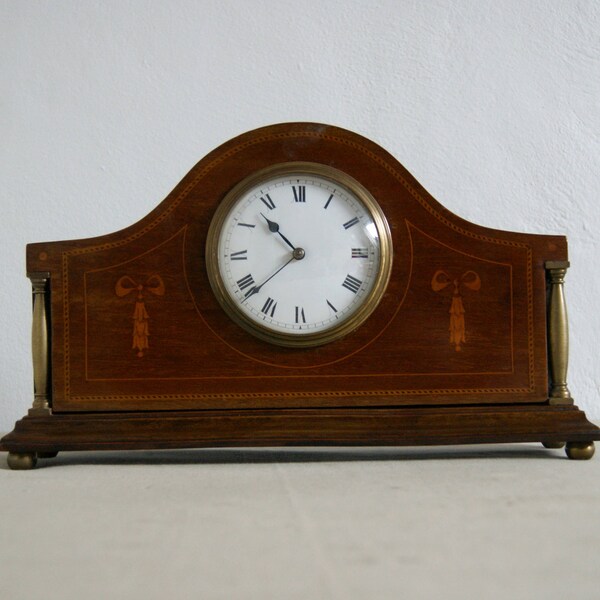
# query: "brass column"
39,344
558,333
40,354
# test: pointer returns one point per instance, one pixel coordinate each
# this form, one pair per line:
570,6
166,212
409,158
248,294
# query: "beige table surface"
514,521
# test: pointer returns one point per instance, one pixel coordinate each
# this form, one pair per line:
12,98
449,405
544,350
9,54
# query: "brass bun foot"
22,461
47,454
550,445
580,450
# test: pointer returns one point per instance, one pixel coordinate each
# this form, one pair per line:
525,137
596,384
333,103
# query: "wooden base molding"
302,427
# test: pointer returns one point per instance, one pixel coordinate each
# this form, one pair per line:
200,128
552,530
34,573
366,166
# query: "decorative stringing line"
530,318
66,331
239,148
348,394
168,210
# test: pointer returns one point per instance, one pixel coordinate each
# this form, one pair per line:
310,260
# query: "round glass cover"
299,254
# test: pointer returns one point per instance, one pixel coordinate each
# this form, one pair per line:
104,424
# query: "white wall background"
494,106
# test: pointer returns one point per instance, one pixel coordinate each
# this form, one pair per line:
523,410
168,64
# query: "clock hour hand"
257,288
274,228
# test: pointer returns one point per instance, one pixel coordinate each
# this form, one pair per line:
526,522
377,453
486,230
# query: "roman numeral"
246,225
360,252
300,315
333,308
352,284
299,193
269,307
241,255
245,282
350,223
268,202
328,201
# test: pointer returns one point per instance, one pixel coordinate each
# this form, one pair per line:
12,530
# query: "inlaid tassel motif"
141,329
469,279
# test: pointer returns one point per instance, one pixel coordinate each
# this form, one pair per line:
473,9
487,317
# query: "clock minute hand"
256,288
274,228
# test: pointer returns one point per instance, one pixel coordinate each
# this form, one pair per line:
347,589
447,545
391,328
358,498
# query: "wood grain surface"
196,357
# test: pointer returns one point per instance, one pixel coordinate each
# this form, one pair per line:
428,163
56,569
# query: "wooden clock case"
131,349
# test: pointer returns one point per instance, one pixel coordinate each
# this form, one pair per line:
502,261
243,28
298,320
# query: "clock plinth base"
46,435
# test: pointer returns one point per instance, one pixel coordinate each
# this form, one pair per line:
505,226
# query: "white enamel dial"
299,254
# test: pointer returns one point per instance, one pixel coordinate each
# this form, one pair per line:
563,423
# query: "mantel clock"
299,287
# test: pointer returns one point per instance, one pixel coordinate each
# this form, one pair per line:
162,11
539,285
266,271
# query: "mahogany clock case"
467,344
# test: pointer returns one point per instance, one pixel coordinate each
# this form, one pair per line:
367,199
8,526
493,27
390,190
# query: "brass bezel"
369,303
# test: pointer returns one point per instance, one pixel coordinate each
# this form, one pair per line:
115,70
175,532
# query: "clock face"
299,254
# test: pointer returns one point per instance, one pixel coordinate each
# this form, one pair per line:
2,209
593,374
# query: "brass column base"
22,461
580,450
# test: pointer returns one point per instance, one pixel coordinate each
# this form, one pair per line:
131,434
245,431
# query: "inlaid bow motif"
469,279
141,331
